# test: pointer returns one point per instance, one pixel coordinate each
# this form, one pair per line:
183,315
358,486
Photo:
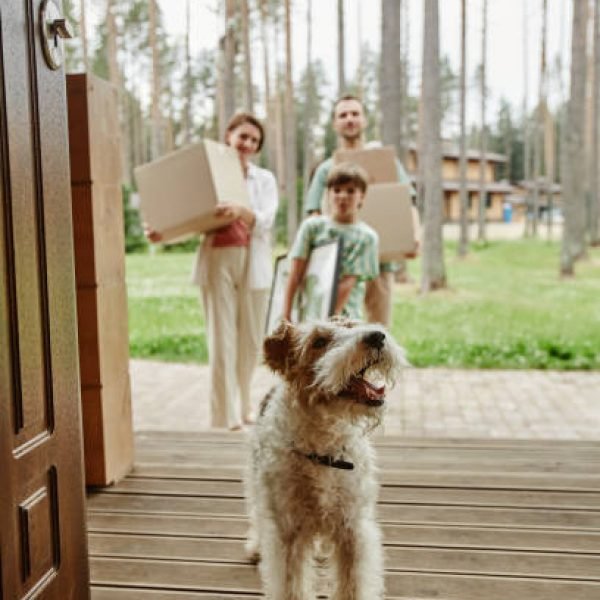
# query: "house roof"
453,185
451,151
529,186
501,187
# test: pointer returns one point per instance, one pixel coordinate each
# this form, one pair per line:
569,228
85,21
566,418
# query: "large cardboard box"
379,163
387,207
180,191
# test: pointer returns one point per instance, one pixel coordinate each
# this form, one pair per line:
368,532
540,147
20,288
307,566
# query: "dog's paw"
252,550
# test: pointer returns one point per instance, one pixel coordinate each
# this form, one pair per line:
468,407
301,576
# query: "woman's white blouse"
264,199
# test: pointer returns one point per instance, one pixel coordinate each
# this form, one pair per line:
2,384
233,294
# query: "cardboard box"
388,209
388,205
379,163
179,191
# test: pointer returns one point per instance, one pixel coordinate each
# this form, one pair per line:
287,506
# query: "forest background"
173,91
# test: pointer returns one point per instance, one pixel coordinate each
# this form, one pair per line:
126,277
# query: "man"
349,123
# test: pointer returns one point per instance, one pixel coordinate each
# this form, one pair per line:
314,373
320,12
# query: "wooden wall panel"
100,274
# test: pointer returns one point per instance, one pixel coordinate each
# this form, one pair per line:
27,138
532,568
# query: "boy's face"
345,200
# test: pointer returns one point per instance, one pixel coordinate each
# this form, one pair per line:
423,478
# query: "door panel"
42,521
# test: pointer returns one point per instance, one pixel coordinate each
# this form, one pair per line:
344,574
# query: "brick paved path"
425,403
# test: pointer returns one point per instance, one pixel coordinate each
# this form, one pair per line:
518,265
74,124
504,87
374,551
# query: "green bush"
135,240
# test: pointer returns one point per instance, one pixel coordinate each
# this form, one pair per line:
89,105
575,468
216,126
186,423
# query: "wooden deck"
462,520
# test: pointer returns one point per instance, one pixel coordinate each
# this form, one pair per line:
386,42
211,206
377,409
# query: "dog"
311,478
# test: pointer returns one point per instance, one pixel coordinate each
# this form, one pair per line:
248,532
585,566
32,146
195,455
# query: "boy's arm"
297,269
345,286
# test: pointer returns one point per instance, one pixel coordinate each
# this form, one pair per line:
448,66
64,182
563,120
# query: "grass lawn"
505,308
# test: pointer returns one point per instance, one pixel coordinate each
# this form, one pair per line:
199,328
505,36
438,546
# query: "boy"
346,187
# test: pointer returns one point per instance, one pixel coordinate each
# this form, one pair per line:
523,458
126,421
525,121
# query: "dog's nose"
375,339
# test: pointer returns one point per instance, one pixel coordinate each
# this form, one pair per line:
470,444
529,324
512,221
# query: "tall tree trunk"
573,169
433,274
549,159
341,50
155,106
270,127
463,243
114,75
594,228
187,107
390,75
405,61
539,141
249,94
309,102
360,75
83,33
278,52
483,141
526,132
227,104
290,129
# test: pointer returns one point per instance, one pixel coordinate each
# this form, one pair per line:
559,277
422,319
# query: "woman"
234,269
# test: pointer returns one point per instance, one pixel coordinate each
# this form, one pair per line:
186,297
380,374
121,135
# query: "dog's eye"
320,342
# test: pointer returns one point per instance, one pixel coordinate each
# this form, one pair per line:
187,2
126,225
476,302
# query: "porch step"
461,520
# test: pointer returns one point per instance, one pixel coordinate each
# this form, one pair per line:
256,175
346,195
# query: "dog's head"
337,360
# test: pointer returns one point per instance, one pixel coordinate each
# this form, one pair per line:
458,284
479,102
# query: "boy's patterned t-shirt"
360,253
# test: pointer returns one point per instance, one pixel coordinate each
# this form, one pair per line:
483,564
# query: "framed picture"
317,296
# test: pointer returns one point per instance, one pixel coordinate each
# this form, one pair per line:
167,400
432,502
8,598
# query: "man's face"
349,119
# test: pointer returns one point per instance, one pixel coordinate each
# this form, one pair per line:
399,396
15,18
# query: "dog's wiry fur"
321,407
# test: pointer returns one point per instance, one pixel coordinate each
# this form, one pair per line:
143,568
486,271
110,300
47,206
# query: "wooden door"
43,552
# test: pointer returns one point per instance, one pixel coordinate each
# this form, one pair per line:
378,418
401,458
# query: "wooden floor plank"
443,536
455,478
211,436
175,575
408,459
553,565
186,576
388,494
467,587
113,593
390,513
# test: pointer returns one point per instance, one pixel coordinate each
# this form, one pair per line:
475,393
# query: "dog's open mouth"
361,388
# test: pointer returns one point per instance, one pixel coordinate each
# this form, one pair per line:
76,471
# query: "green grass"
505,308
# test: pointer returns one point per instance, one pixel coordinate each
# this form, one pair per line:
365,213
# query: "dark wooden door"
43,551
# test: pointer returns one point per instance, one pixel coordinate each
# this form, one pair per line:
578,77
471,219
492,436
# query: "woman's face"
245,138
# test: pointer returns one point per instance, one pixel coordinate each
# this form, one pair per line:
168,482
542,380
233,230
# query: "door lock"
53,29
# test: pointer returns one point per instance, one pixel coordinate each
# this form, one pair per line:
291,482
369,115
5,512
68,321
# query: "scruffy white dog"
312,473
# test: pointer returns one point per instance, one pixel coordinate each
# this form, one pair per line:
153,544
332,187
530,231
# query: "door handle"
61,28
53,30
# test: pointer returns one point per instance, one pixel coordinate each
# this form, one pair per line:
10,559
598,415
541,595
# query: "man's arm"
314,196
404,178
297,270
345,286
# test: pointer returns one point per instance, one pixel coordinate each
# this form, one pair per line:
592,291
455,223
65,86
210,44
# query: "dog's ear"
279,349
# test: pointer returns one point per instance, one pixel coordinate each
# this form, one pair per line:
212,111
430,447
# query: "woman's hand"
235,211
414,253
152,235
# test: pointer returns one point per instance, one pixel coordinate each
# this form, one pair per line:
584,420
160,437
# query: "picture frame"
316,298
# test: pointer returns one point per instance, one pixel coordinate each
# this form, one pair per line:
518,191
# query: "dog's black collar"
327,461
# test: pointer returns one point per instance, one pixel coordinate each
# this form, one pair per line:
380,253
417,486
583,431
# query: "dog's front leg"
285,567
359,563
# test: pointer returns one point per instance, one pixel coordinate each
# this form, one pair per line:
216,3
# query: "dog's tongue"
364,389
